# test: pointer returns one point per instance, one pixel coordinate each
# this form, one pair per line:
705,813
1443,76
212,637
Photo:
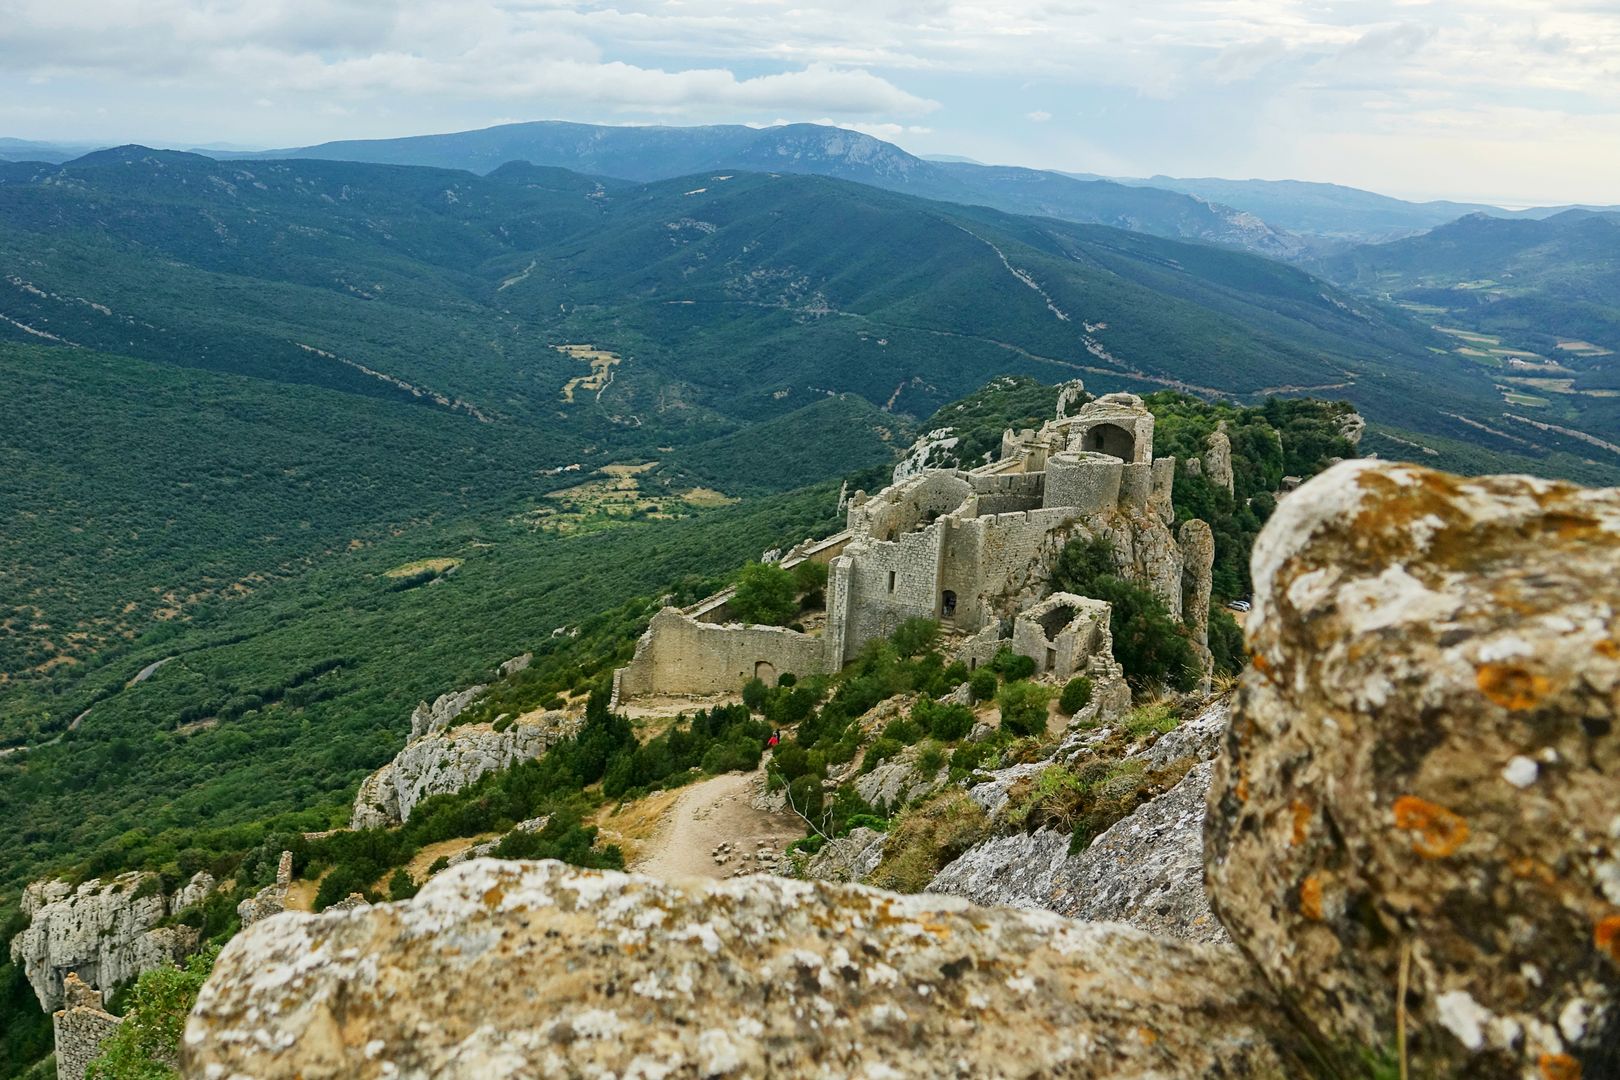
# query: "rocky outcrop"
1421,782
1217,460
504,968
449,759
426,719
515,665
847,858
934,450
1147,869
899,780
106,932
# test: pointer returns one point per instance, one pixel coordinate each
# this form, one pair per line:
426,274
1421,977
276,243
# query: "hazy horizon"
1511,103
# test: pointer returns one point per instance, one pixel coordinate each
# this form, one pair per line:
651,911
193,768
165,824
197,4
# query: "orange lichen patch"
493,896
1310,898
1607,936
1258,660
1147,1035
1511,686
1441,832
1609,648
1533,868
1302,821
1558,1067
1242,789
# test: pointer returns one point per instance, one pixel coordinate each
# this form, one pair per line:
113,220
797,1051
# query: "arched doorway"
947,604
765,672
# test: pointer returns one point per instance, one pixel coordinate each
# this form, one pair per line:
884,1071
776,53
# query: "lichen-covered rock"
1423,771
447,760
105,931
539,969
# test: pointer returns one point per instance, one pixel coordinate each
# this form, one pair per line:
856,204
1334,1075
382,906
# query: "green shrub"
1012,666
1226,642
879,752
400,886
765,595
754,694
982,684
804,795
915,637
149,1037
947,723
903,730
1023,708
868,821
931,758
1076,695
809,576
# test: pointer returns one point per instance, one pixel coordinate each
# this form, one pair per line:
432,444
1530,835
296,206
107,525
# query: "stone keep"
970,549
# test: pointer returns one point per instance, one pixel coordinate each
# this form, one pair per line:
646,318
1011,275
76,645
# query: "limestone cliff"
538,969
105,931
448,759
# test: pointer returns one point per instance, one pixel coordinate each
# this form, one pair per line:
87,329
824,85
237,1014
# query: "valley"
293,445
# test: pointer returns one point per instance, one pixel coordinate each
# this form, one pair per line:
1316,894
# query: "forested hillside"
1533,305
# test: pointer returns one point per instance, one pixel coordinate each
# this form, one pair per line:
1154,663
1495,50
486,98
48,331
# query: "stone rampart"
680,655
81,1026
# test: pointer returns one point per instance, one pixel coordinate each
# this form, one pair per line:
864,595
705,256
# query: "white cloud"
1257,87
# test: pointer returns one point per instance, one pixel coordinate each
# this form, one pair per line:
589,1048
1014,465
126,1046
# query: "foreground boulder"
1421,782
508,968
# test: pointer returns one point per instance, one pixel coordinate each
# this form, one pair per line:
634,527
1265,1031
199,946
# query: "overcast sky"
1515,101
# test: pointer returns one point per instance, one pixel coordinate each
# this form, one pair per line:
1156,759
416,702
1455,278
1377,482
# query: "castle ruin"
971,549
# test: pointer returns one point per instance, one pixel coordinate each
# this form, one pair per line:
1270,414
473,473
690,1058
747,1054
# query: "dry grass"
601,362
635,825
438,566
418,866
707,497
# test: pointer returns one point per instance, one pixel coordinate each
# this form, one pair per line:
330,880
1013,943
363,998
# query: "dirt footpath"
709,814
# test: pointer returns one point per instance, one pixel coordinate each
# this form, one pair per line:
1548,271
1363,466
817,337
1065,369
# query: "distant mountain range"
1283,218
1334,211
658,153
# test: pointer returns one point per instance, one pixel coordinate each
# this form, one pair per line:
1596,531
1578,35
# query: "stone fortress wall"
81,1026
969,548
